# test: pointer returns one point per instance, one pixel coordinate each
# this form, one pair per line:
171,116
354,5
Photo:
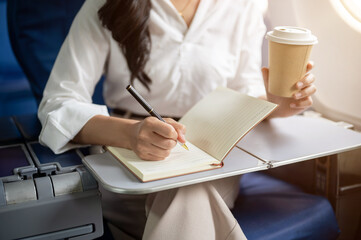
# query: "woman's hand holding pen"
153,139
300,101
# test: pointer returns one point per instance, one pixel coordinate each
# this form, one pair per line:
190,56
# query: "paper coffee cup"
289,53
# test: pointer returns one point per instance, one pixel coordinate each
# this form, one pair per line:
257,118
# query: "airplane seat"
36,44
15,93
37,29
45,195
269,209
10,134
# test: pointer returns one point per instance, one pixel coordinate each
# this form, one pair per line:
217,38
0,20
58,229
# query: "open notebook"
214,126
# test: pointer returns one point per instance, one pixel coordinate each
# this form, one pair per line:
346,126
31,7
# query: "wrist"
125,130
109,131
283,109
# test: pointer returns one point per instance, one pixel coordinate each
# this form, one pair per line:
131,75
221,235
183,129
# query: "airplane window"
353,7
350,12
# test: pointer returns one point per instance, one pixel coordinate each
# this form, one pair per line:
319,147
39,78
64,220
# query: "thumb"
265,73
310,66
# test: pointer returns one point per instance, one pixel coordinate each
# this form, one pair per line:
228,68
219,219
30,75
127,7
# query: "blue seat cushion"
15,93
8,63
29,126
37,30
270,209
12,157
9,133
44,156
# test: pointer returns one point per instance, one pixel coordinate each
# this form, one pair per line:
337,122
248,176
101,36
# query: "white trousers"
200,211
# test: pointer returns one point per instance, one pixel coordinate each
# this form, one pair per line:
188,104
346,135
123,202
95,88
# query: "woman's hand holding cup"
306,89
288,80
300,100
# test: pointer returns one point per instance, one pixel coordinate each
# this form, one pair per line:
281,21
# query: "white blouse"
222,47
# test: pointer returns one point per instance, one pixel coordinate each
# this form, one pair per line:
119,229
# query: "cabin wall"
337,56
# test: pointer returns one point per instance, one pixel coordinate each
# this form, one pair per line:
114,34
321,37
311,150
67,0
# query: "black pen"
148,108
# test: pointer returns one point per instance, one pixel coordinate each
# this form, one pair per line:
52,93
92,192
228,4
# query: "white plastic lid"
292,35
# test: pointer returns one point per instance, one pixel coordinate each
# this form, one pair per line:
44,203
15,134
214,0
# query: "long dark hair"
128,22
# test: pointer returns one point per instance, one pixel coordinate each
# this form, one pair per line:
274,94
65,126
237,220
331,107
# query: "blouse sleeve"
249,78
67,99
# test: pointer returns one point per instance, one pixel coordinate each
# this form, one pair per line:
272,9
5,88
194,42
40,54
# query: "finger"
303,103
150,157
162,143
161,128
153,157
306,81
310,66
308,91
265,74
158,154
178,126
151,152
180,129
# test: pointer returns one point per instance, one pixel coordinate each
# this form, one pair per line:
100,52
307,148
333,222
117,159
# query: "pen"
149,108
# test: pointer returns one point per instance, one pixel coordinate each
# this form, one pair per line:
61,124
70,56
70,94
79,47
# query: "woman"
174,53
